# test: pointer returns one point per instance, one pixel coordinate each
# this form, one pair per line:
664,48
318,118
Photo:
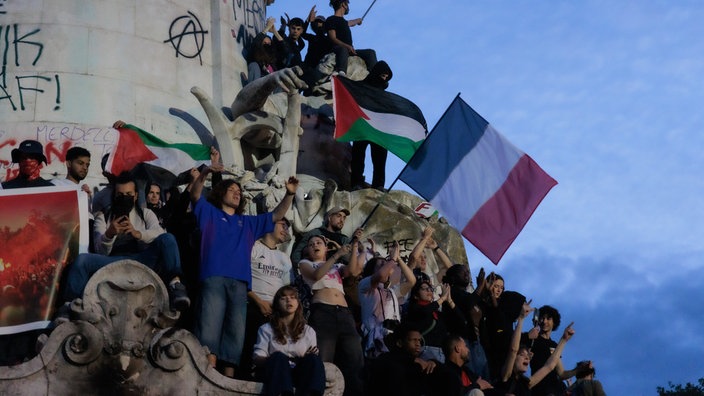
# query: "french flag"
484,185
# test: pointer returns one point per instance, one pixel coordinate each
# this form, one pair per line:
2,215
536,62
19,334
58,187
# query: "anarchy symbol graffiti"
187,36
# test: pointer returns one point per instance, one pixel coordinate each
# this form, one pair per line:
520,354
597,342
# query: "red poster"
40,229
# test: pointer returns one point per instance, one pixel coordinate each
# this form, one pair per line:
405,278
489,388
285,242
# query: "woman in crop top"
329,315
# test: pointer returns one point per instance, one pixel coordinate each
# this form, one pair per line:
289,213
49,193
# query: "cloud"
636,325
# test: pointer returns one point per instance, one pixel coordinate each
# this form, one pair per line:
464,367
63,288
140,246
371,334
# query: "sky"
605,96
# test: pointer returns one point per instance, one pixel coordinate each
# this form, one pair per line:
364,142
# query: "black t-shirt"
318,46
542,348
22,182
341,28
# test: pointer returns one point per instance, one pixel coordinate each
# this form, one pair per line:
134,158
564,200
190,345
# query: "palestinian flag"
135,146
363,112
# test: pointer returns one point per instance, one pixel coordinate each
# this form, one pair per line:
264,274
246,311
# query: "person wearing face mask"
127,232
29,156
378,77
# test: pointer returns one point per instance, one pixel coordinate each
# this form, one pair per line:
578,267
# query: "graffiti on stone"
57,139
21,48
405,246
187,36
251,15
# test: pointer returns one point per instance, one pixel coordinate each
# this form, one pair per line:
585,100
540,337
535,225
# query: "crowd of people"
391,326
273,50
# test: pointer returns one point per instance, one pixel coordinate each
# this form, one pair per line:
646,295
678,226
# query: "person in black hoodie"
378,78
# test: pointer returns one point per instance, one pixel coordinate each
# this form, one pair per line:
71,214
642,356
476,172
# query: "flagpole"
370,7
409,161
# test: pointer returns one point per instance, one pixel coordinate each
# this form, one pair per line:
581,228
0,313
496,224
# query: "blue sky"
605,96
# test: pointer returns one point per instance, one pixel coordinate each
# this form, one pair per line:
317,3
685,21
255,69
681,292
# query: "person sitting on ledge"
286,352
128,232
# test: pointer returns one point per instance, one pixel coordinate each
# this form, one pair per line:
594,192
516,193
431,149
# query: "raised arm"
406,271
437,249
354,22
356,264
417,251
564,374
383,273
198,182
285,204
507,369
317,274
553,359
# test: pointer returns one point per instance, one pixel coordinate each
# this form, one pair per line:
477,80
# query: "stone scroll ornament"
120,340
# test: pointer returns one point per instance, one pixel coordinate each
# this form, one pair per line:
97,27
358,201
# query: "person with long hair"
330,316
430,316
227,238
152,193
286,352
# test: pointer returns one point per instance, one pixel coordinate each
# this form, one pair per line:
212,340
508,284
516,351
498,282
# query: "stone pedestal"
119,341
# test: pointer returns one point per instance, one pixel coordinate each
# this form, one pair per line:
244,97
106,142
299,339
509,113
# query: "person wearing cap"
271,270
318,43
227,238
29,156
331,229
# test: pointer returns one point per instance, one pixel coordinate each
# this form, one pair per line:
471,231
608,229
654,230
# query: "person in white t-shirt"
77,164
271,270
286,352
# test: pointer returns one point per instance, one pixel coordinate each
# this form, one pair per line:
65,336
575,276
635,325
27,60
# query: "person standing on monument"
330,315
378,78
271,270
225,270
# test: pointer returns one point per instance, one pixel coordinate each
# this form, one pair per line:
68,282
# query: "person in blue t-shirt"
225,274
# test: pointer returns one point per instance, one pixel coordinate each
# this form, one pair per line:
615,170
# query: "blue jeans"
477,362
308,376
161,256
222,312
339,342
